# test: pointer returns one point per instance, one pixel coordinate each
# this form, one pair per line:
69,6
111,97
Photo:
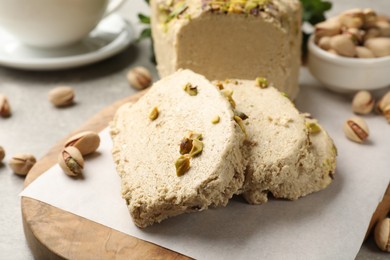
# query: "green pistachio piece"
154,114
240,122
261,82
194,135
197,147
186,146
313,127
228,93
215,120
240,114
191,90
182,165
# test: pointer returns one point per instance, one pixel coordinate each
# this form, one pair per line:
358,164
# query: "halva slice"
230,39
289,155
171,157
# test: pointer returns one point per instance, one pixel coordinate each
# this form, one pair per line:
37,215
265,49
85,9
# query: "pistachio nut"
363,102
382,234
332,51
356,12
2,154
71,161
381,17
371,33
384,28
197,148
324,43
5,108
154,113
327,28
228,93
182,165
379,46
240,123
355,34
364,53
139,78
261,82
240,114
22,163
343,45
386,113
382,103
219,85
185,146
353,18
356,129
313,126
61,96
87,142
191,90
370,17
215,119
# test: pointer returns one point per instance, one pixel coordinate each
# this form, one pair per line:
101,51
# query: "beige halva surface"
145,150
234,45
285,158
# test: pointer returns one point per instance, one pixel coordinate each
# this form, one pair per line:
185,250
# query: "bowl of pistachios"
351,51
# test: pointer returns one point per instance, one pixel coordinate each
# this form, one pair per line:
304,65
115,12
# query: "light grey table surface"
36,125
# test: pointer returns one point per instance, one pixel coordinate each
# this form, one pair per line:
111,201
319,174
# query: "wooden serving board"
53,233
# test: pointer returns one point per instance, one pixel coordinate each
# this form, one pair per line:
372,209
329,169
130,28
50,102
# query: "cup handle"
113,5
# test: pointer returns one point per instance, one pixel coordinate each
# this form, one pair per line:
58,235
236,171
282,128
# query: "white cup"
53,23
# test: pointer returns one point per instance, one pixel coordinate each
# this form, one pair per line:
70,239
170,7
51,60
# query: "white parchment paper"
330,224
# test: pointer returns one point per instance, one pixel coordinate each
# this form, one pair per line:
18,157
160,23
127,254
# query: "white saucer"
112,35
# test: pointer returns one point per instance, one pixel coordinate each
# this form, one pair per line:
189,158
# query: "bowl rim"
353,62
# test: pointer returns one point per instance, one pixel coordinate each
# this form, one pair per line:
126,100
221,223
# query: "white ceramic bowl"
343,74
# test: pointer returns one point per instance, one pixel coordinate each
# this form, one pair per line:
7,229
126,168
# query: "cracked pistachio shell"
384,28
371,33
383,103
364,53
382,234
61,96
71,161
356,129
324,43
343,45
22,163
353,18
370,17
386,113
5,108
87,142
2,154
139,78
379,46
327,28
363,102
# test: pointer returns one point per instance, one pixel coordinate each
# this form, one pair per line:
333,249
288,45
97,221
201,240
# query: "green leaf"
314,10
313,13
144,19
145,34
